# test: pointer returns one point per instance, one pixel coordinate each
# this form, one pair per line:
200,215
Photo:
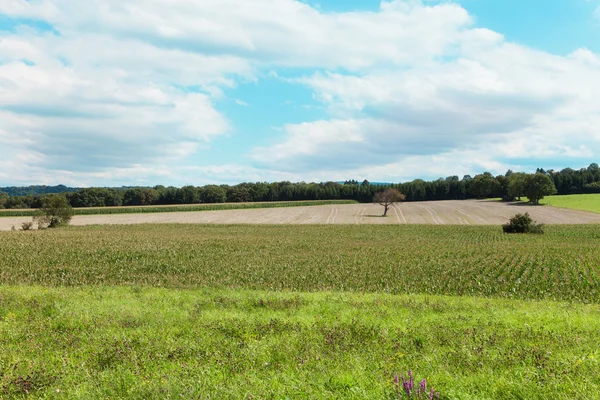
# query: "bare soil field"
467,212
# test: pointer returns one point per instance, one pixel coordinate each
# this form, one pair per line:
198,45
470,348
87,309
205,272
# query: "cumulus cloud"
502,101
128,91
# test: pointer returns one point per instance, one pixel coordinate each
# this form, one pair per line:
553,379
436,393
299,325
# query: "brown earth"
467,212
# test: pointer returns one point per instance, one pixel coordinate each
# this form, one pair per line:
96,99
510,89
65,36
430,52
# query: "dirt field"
469,212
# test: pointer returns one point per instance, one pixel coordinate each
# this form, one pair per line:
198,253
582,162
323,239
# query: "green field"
144,343
209,311
181,208
584,202
563,264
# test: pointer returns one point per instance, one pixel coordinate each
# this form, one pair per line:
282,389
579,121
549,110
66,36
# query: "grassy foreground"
271,312
584,202
563,264
145,343
181,208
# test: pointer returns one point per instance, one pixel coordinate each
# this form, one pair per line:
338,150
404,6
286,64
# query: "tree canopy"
537,186
387,198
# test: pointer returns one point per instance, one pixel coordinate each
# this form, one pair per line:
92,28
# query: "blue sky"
221,91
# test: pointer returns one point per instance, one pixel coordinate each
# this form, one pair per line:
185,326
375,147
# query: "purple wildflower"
422,387
408,384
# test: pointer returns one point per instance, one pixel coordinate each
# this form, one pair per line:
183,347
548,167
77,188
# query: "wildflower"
409,384
422,387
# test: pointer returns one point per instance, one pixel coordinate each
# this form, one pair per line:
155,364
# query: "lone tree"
56,211
388,197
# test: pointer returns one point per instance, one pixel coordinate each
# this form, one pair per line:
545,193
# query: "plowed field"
468,212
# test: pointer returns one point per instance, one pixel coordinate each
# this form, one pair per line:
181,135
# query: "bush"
27,226
522,223
55,212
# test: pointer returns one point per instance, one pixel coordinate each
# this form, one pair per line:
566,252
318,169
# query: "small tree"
56,211
387,198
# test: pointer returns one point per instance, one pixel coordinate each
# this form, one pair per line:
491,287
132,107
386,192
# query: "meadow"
149,343
242,311
584,202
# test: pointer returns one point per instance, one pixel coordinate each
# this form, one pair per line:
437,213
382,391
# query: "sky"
195,92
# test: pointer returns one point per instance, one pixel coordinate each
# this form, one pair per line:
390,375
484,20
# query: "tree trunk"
386,210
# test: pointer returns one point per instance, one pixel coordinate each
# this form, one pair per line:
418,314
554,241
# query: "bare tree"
388,197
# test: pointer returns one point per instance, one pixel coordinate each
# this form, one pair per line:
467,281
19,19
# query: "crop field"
299,311
584,202
467,212
563,264
180,208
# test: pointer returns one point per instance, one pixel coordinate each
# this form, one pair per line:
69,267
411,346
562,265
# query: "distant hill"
36,190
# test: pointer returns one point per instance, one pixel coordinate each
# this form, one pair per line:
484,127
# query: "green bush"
522,223
55,212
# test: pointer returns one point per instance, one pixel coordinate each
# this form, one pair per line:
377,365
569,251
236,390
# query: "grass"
181,208
324,312
447,260
584,202
149,343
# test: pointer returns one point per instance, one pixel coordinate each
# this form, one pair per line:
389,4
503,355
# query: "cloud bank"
111,92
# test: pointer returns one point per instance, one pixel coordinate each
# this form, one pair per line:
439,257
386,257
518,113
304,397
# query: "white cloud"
503,102
278,31
123,87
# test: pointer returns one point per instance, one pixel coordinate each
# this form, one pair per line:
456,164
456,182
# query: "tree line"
512,185
36,190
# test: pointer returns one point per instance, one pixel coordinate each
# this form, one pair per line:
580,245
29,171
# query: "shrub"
55,212
27,226
522,223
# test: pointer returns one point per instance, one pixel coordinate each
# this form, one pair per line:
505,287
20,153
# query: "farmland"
181,208
452,212
563,264
297,311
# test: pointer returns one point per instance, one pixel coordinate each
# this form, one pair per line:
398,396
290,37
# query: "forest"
511,185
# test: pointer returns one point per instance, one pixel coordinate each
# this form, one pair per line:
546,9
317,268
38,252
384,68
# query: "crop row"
563,264
184,208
